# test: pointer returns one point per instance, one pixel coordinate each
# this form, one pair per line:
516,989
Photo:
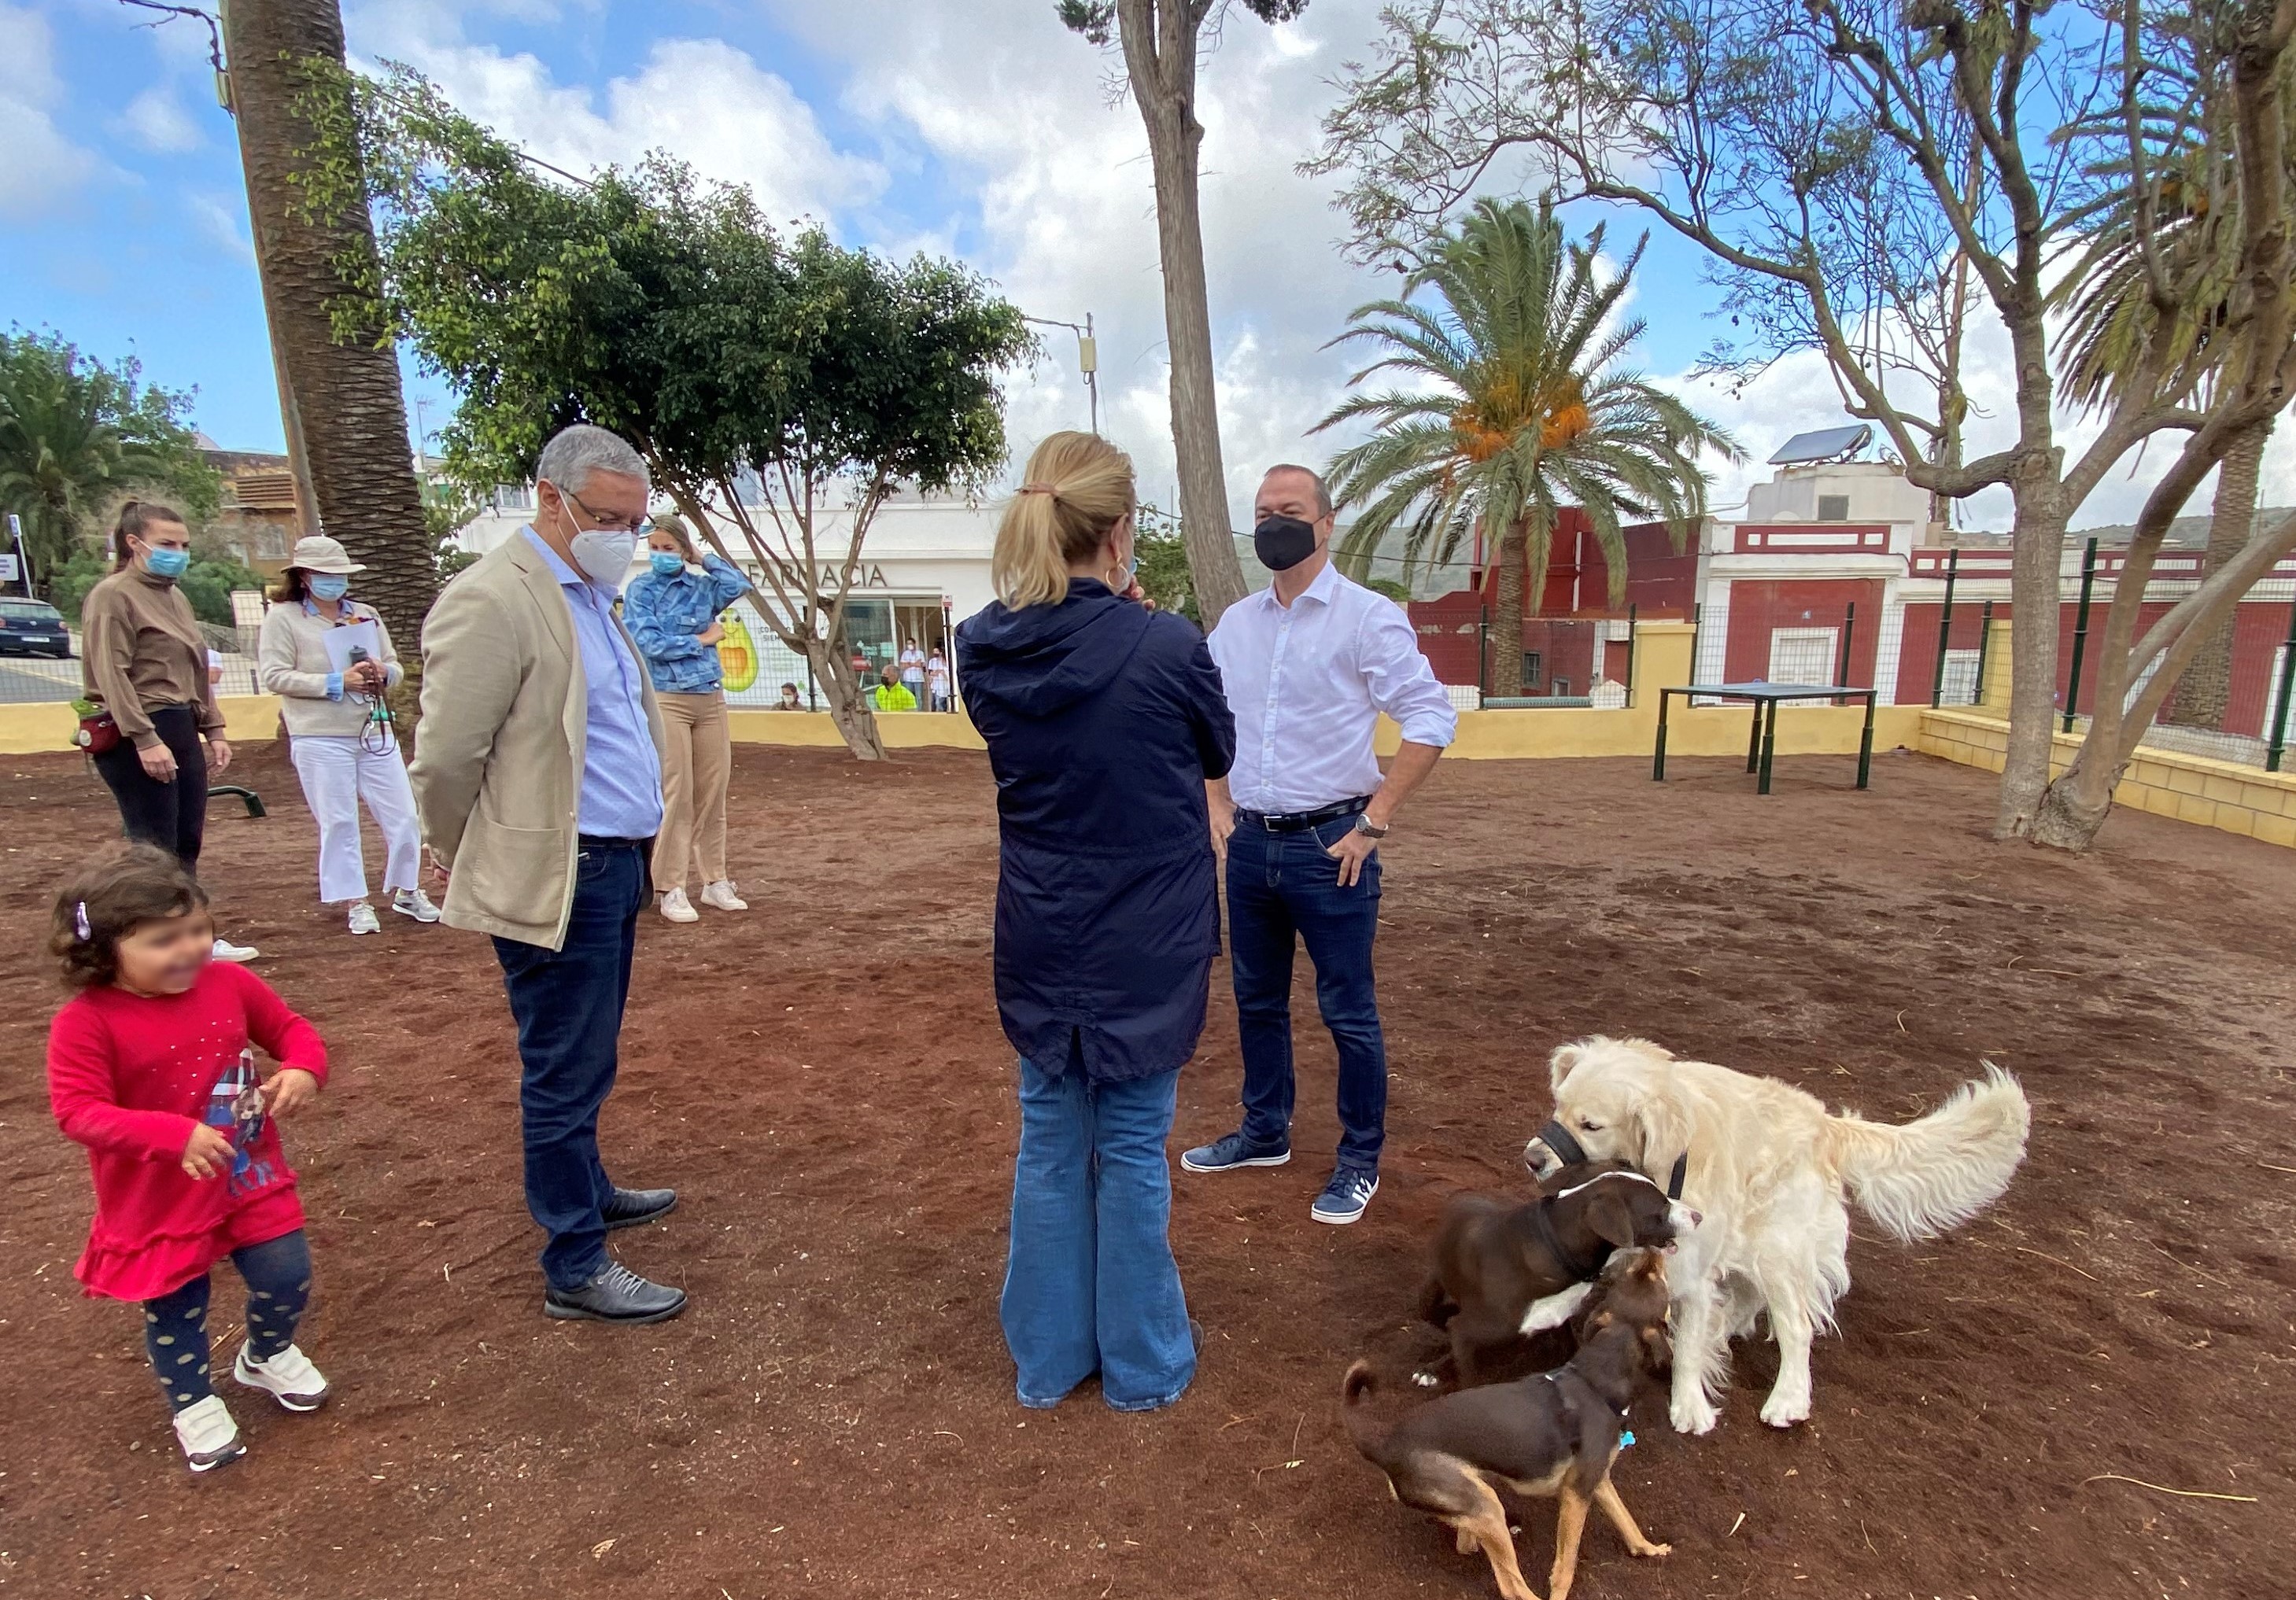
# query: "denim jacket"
663,615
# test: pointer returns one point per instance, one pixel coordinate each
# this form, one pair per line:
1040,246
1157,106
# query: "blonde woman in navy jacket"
671,611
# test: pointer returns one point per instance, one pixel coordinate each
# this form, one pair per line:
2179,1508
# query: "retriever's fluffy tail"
1363,1427
1918,1179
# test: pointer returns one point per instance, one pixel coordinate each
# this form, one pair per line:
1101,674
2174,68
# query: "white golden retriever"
1768,1167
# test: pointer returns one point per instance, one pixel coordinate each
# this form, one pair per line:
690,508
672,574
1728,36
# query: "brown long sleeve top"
140,646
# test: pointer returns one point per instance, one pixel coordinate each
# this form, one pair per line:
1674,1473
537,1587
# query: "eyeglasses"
642,526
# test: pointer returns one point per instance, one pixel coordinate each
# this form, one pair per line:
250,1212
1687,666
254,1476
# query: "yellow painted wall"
901,730
2167,783
28,729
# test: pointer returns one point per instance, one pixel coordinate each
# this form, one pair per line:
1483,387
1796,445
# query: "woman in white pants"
341,753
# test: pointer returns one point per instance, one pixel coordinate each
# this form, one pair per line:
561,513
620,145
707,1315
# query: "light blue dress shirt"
622,769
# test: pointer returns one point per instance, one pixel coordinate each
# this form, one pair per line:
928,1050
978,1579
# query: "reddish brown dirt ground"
825,1079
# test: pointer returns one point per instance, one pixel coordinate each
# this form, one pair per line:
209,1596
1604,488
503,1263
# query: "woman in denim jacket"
671,611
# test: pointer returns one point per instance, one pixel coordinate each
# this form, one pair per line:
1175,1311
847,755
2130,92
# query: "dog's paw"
1655,1550
1693,1414
1783,1410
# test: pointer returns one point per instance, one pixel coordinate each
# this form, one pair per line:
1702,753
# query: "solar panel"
1826,445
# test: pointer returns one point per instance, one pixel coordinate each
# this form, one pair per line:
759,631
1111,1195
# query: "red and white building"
1830,550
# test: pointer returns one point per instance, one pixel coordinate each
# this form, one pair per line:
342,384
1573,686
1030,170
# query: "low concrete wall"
27,729
2167,783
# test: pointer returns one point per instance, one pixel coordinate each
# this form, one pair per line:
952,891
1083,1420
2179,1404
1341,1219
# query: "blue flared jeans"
1090,1284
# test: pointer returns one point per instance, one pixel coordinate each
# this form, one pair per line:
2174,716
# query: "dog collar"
1565,1144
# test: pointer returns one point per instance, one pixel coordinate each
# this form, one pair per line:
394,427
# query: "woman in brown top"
142,655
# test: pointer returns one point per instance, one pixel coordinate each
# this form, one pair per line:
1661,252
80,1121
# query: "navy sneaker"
1226,1153
1346,1197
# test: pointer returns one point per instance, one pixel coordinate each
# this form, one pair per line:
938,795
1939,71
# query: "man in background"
1309,663
537,777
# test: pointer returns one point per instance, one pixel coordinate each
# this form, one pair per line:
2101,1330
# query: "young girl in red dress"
149,1067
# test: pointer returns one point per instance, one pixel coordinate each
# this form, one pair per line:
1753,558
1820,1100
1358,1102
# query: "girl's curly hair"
110,898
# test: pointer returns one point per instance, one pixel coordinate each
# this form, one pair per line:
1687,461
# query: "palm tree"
77,435
346,417
1512,409
2115,332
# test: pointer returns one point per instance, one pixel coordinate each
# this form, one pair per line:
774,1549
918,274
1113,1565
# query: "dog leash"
1559,1139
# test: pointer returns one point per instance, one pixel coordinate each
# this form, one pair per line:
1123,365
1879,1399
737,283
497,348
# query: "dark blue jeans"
1284,890
1090,1284
568,1007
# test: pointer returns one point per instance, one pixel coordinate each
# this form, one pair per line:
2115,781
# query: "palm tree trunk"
1160,54
2205,691
341,401
1507,671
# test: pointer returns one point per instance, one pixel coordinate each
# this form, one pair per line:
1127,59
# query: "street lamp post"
1087,356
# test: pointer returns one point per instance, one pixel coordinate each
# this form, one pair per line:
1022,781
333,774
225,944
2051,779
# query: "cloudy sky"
977,128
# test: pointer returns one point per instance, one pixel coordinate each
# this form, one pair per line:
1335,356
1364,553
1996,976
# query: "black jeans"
567,1003
174,814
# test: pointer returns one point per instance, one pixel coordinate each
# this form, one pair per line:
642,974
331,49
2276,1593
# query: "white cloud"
156,120
42,165
224,220
701,100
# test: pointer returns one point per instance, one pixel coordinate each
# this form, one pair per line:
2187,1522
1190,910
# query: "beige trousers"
694,781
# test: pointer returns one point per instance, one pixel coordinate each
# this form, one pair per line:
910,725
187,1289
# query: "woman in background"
1104,720
341,753
671,610
143,660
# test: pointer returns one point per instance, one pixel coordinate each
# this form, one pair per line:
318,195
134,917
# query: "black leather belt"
599,841
1301,821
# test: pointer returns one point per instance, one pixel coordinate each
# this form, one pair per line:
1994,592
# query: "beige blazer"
497,767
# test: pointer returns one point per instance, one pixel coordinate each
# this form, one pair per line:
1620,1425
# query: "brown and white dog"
1771,1172
1502,1272
1553,1433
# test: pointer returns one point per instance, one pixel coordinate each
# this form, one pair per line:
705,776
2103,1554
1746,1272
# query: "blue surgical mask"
668,563
327,586
166,563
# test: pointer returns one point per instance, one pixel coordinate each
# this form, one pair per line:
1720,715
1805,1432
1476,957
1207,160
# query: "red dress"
130,1076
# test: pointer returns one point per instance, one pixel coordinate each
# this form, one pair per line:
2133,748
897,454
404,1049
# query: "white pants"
337,774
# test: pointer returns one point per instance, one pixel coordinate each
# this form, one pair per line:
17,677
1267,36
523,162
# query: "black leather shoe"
635,1208
616,1294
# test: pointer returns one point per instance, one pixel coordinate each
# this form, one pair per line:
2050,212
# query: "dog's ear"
1565,1058
1664,1132
1608,1217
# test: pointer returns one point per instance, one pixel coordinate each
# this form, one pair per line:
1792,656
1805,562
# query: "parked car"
32,628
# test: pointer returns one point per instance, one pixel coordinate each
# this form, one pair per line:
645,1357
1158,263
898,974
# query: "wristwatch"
1364,827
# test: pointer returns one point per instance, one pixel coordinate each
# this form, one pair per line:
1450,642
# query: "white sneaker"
225,950
364,920
678,908
721,895
415,903
208,1435
288,1377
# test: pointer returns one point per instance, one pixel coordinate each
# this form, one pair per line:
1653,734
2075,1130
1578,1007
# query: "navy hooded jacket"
1104,721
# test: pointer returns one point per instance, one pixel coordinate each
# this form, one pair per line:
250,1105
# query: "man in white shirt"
1309,665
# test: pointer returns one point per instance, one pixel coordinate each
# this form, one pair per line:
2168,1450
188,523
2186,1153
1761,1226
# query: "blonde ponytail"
1076,488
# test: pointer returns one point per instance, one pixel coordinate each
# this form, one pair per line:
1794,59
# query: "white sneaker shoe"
363,919
415,903
225,950
288,1377
208,1435
678,908
720,895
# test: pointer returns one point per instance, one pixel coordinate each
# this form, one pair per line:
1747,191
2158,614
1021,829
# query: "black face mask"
1282,543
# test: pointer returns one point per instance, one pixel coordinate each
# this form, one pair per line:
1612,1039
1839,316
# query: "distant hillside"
2186,532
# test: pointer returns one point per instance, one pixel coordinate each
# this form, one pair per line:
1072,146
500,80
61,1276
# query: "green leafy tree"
208,581
78,436
1163,554
780,390
1512,406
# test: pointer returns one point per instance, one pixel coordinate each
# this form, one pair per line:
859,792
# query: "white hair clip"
79,921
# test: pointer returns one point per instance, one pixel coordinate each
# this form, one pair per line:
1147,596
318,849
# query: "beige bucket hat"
316,552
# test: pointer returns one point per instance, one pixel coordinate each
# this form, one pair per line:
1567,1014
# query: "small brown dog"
1552,1434
1505,1272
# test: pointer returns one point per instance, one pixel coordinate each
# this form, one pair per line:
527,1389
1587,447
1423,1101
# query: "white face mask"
602,555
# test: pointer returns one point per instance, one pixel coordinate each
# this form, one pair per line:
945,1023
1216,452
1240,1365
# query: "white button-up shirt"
1307,683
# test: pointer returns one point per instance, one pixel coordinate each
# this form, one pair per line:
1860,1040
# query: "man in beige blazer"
537,777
